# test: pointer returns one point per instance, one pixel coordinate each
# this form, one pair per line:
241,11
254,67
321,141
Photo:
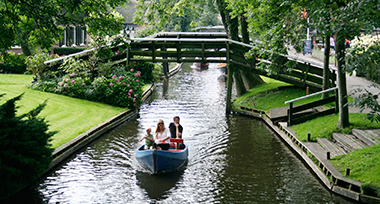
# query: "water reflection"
157,187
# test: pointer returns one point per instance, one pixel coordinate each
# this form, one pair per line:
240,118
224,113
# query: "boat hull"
160,161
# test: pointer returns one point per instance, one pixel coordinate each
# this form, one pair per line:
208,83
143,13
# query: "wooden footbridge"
213,48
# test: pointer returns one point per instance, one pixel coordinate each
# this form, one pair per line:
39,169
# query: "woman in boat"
161,136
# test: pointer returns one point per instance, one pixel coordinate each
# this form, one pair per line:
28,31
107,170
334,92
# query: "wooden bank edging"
324,169
72,146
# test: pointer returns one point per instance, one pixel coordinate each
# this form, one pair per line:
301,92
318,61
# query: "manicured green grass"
364,166
267,96
270,85
324,127
69,116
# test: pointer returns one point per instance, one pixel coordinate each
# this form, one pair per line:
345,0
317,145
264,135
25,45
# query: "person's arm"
151,139
178,133
165,135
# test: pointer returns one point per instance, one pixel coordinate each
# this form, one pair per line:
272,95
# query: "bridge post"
229,80
165,65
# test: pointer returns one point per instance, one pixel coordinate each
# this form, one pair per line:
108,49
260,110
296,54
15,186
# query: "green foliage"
67,50
25,152
367,99
178,15
146,69
36,65
11,62
118,90
37,24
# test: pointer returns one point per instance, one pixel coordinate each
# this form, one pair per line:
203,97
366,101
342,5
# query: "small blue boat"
160,161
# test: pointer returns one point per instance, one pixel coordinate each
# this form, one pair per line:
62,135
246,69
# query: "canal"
232,158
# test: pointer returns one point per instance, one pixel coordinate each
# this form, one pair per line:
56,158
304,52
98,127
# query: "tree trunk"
250,80
244,28
326,70
240,87
342,85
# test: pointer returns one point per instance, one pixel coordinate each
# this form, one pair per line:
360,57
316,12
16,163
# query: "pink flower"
66,80
124,83
60,83
129,96
130,91
128,85
128,78
137,80
120,77
83,84
66,85
111,84
73,81
136,95
117,81
132,70
134,99
114,76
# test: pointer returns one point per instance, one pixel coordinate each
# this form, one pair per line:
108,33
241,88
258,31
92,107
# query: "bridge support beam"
229,87
165,65
229,81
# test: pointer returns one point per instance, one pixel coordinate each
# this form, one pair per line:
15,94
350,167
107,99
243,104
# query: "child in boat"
148,139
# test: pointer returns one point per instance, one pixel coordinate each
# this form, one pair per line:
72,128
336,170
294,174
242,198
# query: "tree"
33,24
25,152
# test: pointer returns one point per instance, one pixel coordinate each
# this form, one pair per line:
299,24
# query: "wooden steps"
330,147
348,143
367,136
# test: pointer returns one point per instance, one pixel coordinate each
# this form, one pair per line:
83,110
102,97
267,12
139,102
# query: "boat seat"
174,142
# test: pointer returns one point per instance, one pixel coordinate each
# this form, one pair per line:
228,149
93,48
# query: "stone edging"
289,137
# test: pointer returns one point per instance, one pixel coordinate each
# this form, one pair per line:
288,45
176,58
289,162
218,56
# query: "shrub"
117,90
36,64
146,68
14,63
25,151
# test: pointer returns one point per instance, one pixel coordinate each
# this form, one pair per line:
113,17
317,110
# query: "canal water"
232,158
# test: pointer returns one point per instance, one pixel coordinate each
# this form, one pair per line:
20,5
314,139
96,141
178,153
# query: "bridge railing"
292,111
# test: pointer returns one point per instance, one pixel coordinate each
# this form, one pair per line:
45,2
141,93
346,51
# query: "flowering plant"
364,57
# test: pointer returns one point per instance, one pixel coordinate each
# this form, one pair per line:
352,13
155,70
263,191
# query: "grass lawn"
364,166
69,116
267,96
325,126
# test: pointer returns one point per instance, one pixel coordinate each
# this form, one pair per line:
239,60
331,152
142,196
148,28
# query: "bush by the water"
12,63
123,89
25,153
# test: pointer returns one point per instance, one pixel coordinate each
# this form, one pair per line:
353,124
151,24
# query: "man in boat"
176,130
